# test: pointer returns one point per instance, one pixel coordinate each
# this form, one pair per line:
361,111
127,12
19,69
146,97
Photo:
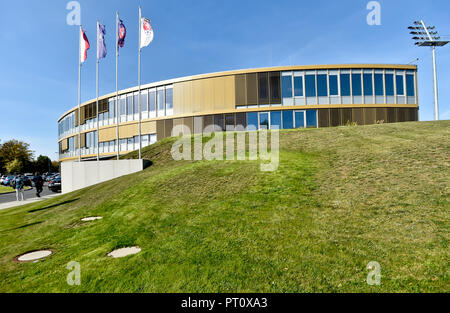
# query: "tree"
42,164
15,150
14,166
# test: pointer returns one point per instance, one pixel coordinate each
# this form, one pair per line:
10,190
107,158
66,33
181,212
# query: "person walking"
19,187
38,184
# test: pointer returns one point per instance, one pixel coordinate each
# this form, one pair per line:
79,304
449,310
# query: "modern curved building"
283,97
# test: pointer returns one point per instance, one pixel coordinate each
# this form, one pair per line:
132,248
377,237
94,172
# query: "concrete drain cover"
34,256
123,252
91,219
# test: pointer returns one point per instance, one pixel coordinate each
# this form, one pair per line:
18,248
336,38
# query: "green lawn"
4,189
342,197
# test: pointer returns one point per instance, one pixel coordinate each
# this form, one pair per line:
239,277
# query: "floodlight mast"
435,82
432,42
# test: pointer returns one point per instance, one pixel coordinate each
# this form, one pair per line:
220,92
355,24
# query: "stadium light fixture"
426,36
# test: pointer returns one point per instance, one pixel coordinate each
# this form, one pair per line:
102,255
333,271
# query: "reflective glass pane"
310,85
129,105
322,87
152,101
288,120
345,85
389,80
298,86
161,100
356,85
136,104
286,86
123,106
400,85
263,88
264,120
252,120
169,98
275,87
368,87
379,89
144,102
410,86
275,120
333,81
299,119
311,118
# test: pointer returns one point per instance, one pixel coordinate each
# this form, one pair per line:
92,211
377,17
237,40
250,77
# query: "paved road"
28,194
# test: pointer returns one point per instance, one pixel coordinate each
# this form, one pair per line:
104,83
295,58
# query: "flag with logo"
122,34
146,32
101,44
84,45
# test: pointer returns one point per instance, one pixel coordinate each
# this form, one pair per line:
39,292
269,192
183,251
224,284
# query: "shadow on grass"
21,227
53,205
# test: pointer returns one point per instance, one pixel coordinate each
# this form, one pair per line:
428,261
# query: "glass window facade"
293,89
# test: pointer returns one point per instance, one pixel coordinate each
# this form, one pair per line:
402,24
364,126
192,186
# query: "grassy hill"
341,198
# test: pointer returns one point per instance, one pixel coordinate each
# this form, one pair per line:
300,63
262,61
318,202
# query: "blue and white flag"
101,44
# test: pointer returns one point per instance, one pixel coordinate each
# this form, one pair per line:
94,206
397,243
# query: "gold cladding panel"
230,99
107,134
219,93
128,131
65,145
148,128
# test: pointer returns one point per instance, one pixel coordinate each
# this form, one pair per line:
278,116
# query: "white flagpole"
79,94
117,83
139,83
98,125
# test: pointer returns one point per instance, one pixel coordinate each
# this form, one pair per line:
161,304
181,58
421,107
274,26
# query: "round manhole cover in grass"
34,256
123,252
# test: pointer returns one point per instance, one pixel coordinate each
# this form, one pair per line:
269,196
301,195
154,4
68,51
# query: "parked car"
55,184
8,181
50,176
27,181
2,179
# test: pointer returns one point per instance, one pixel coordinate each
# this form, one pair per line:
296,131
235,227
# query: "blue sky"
39,51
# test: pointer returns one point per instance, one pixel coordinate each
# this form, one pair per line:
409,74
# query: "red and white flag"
84,45
146,32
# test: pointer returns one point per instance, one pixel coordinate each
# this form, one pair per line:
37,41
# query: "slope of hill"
341,198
